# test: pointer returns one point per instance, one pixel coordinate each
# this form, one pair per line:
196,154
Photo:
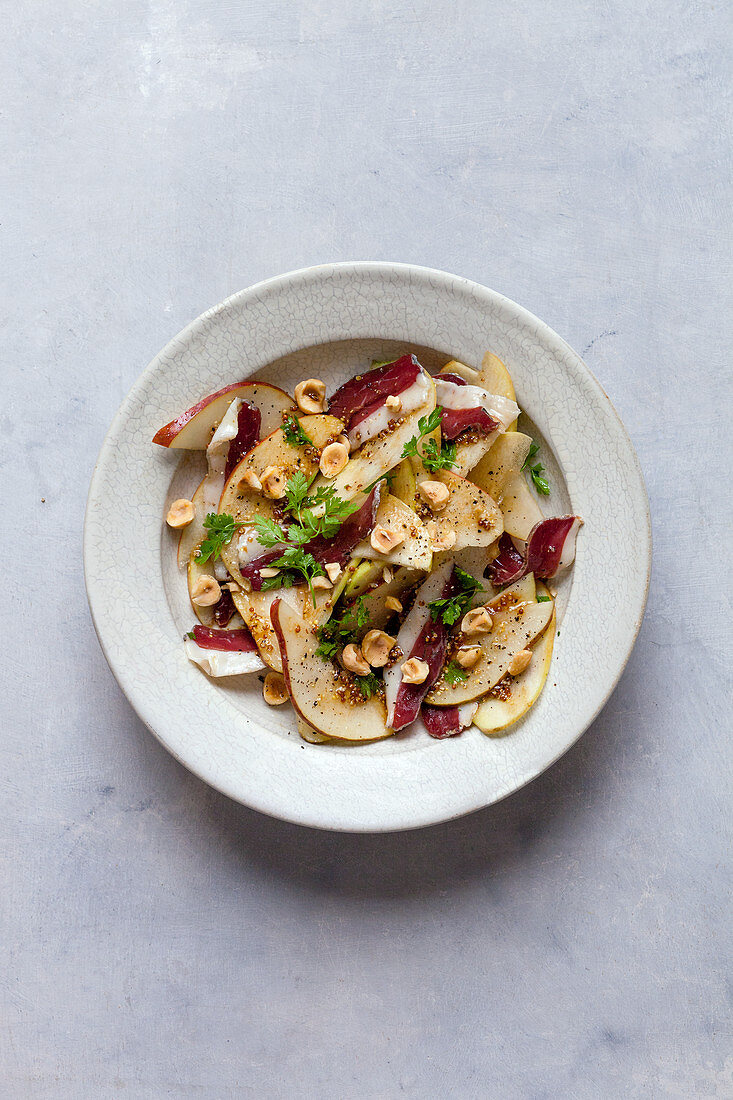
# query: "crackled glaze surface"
281,330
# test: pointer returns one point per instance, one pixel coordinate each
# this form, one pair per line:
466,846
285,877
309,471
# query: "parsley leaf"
426,425
381,363
341,629
543,599
295,560
438,458
189,634
367,685
294,434
268,532
536,471
453,673
221,530
450,610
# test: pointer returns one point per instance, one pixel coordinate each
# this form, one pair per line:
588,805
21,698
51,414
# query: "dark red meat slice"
337,549
236,641
541,556
455,421
441,722
248,433
224,609
361,396
449,377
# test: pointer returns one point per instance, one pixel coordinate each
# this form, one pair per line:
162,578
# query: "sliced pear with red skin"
324,697
502,463
309,734
470,512
495,716
519,508
193,429
194,533
242,502
255,607
379,455
517,621
414,550
468,374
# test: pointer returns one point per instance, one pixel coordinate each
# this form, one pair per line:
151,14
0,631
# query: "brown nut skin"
180,513
392,603
274,691
311,395
353,660
206,591
434,493
415,671
519,662
273,482
333,459
468,656
476,621
376,646
383,540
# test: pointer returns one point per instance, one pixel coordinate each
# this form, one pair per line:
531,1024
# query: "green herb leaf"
190,634
341,629
221,530
438,458
268,532
544,599
295,560
381,363
294,433
453,673
536,470
368,685
450,610
426,425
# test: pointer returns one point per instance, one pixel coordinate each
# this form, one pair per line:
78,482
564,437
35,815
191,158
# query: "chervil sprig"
450,610
221,530
341,629
425,425
540,483
438,458
294,434
453,674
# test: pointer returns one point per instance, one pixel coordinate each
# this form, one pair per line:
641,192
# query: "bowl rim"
290,280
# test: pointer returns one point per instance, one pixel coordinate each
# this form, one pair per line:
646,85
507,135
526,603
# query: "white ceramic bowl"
328,322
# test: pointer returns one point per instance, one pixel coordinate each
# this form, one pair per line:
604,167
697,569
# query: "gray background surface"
162,941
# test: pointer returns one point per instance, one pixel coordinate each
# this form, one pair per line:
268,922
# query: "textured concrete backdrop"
161,941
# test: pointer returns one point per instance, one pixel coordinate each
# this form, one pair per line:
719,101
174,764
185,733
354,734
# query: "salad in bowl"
379,555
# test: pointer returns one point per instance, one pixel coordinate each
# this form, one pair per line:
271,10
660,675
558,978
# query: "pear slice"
364,576
373,601
518,620
193,429
470,512
242,502
326,599
379,455
468,374
309,734
403,484
495,716
194,533
519,508
254,607
414,550
322,696
503,461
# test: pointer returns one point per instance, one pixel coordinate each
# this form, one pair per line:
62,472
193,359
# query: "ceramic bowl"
328,322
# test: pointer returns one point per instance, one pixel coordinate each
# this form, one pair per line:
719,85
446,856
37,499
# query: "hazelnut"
269,571
519,662
205,591
343,438
394,404
392,603
353,660
376,647
477,621
311,395
180,513
232,586
274,691
469,655
383,540
273,482
415,671
441,537
334,571
435,493
250,480
321,582
387,574
333,459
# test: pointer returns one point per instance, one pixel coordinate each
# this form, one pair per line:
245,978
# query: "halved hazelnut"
250,479
393,403
415,671
469,655
333,459
476,621
269,571
343,438
376,647
441,536
180,513
311,395
205,591
383,540
387,574
392,603
321,582
519,662
274,691
435,493
334,571
353,660
273,482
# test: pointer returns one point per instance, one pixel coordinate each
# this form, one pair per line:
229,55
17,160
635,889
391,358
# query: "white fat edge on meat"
217,453
412,398
451,396
567,557
411,629
248,548
222,662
